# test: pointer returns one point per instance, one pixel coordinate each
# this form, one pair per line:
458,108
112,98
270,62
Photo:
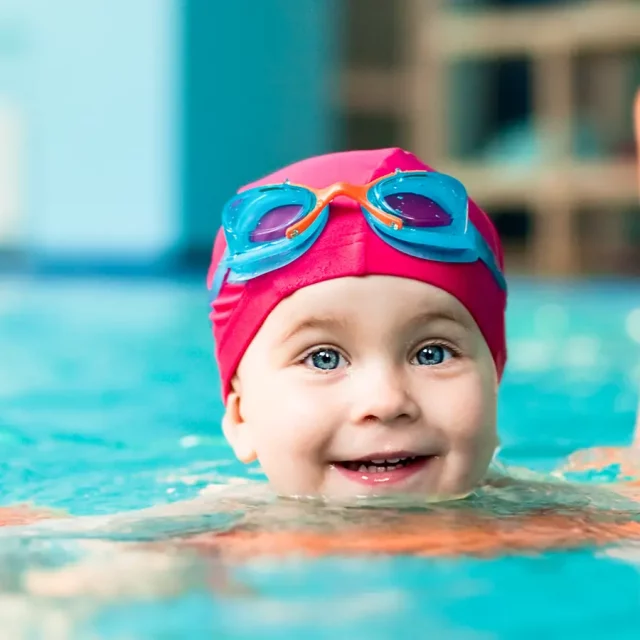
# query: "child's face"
347,376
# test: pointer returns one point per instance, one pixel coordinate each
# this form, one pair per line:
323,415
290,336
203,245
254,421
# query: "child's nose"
383,396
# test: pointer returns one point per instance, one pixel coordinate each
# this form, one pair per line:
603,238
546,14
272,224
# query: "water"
108,403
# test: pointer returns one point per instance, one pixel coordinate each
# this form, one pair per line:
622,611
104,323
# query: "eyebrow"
447,315
326,323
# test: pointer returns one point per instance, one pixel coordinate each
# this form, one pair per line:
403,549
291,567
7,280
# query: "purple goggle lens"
274,223
418,210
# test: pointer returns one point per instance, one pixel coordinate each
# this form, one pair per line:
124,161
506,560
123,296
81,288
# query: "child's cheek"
463,409
304,427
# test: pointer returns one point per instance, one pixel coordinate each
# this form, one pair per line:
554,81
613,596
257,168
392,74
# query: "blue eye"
433,354
325,359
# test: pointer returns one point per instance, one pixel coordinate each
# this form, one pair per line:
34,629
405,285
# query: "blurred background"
125,125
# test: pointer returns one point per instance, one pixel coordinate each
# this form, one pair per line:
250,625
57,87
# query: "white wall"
12,125
12,192
102,126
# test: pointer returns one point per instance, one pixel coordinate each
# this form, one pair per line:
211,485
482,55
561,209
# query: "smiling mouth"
380,465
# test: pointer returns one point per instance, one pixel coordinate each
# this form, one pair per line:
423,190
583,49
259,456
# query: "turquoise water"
108,402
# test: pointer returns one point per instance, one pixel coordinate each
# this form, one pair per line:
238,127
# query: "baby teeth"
379,465
386,461
363,468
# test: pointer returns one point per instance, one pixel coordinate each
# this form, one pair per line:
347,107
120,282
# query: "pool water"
109,403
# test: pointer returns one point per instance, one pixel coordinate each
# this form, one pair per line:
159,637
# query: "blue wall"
259,88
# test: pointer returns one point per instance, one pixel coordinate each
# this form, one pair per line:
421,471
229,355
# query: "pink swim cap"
348,247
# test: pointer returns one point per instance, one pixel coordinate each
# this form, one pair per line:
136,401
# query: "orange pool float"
430,535
22,514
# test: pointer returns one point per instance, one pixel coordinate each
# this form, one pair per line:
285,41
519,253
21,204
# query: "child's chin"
420,489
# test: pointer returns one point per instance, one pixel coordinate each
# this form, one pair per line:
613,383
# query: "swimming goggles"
420,213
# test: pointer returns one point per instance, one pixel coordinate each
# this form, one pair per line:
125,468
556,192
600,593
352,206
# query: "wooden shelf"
374,91
598,183
588,26
414,94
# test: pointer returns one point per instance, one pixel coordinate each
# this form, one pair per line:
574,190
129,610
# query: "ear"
235,429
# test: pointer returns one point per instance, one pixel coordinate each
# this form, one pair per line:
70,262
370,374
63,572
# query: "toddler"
358,310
